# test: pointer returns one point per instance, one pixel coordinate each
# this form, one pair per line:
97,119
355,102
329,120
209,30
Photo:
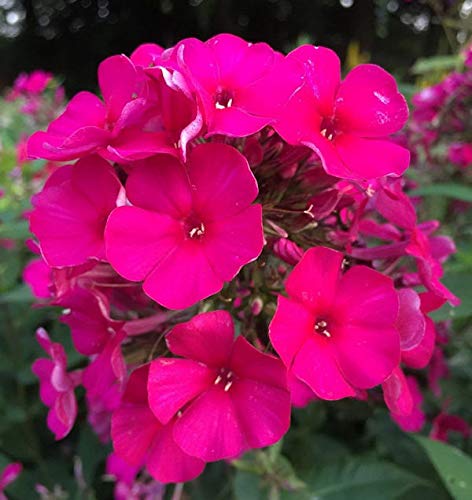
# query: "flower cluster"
220,186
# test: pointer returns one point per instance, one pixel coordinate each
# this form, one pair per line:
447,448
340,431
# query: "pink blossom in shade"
8,475
225,396
70,212
87,314
397,394
347,123
337,332
123,473
191,227
141,440
418,356
287,250
56,385
415,420
460,154
240,86
120,128
444,423
37,275
437,370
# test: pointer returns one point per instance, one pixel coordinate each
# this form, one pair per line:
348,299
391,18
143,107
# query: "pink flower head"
444,423
225,396
460,154
348,123
8,475
87,315
404,399
191,227
335,331
140,439
56,385
70,212
240,86
120,127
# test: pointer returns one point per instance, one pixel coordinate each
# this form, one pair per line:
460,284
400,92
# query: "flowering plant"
221,186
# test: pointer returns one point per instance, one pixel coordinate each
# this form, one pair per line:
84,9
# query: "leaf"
359,480
91,452
248,486
456,191
436,63
17,230
454,467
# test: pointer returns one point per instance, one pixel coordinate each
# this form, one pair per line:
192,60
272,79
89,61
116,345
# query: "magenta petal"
397,393
263,411
209,428
411,322
37,275
173,383
366,354
247,362
323,74
221,180
62,415
291,325
420,356
160,184
167,463
371,158
136,240
207,337
117,80
133,144
315,366
366,298
298,121
314,279
369,104
133,428
9,474
231,243
235,122
183,277
300,393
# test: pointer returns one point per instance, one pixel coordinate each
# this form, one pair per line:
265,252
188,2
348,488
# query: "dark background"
70,37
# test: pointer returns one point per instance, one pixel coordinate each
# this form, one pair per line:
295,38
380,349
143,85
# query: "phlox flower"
56,385
70,212
140,439
347,123
240,86
404,399
224,396
336,332
120,128
8,475
37,275
444,423
190,227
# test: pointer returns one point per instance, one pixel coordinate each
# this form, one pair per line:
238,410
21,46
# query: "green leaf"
436,63
359,480
456,191
248,486
454,467
17,230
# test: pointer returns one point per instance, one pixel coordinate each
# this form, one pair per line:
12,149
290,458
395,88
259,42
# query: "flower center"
194,229
327,128
225,379
223,99
321,328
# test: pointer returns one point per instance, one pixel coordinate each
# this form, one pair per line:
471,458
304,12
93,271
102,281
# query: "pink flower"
70,212
347,123
225,396
56,385
402,394
87,315
140,439
444,423
335,331
240,86
191,227
460,154
37,275
8,475
120,128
